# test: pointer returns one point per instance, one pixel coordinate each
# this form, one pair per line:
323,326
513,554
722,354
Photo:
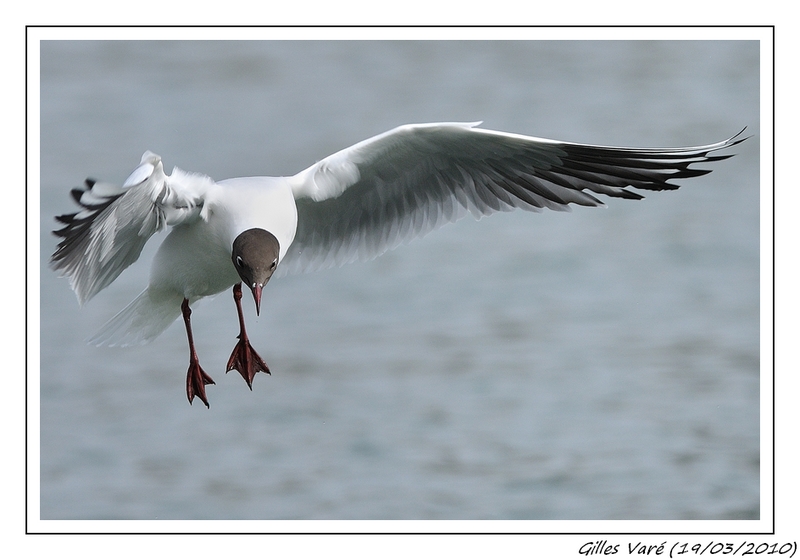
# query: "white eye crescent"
239,260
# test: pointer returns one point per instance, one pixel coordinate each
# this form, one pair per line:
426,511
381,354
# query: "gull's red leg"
196,378
244,359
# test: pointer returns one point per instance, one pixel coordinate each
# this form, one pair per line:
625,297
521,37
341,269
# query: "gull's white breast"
195,258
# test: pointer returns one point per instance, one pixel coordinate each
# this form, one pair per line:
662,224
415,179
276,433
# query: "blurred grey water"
598,364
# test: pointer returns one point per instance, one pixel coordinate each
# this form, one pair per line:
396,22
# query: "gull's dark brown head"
255,256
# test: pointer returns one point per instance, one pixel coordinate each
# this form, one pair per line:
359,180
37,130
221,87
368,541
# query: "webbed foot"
246,361
196,381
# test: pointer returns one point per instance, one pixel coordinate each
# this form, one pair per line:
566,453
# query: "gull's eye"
239,260
273,265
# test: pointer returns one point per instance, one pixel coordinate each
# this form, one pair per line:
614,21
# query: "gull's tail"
141,321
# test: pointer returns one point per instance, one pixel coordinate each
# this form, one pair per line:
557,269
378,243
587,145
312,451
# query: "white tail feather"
141,321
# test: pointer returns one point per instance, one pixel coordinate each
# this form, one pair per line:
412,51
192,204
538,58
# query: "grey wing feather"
109,232
90,253
400,185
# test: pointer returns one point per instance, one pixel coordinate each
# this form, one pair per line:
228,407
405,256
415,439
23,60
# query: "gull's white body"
194,261
353,205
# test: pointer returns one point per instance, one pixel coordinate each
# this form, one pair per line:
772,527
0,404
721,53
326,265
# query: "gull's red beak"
257,297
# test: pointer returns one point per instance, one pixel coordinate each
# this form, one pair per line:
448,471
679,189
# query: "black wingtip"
77,194
738,140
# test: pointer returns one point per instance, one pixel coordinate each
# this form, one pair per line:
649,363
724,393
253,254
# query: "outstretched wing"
114,223
397,186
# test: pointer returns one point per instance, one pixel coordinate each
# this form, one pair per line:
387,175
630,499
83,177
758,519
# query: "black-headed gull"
353,205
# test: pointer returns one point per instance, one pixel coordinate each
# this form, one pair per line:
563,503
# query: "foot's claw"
246,361
196,381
